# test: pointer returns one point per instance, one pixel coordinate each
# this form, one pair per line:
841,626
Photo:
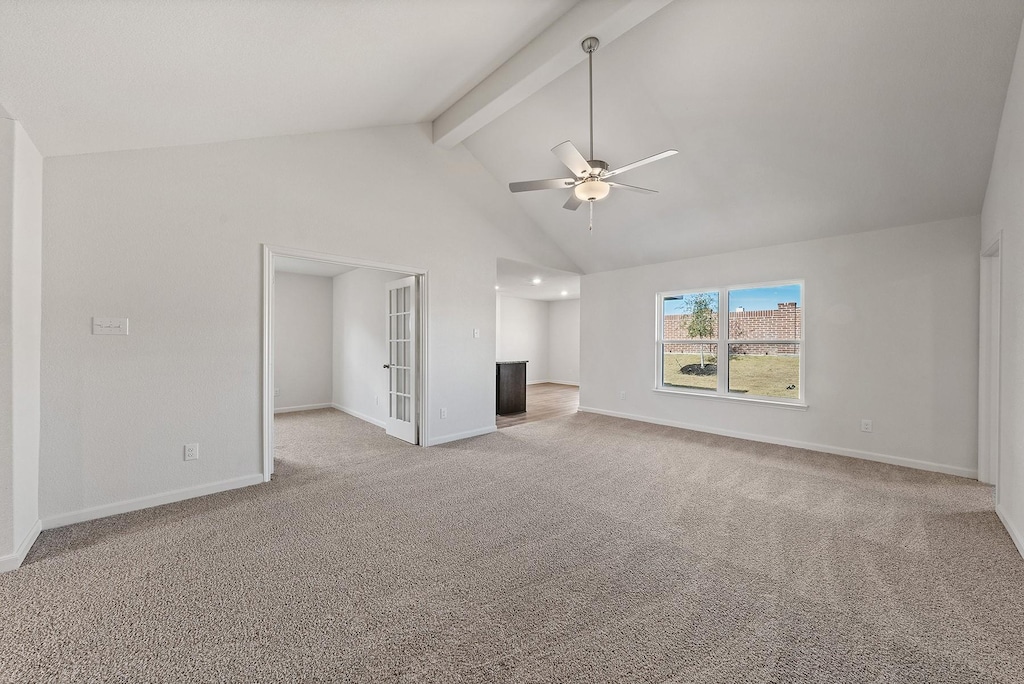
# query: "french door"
402,339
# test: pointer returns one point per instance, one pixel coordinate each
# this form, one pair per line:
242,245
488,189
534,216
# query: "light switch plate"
109,326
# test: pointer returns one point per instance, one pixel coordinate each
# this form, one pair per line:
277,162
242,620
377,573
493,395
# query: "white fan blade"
573,203
646,160
571,157
633,188
550,184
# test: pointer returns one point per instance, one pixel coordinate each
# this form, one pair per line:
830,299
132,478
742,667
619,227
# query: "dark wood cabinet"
510,387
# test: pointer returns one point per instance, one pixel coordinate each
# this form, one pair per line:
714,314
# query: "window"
756,354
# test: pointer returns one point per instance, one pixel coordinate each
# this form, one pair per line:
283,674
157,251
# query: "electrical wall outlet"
866,426
476,333
277,391
191,452
376,400
622,396
444,413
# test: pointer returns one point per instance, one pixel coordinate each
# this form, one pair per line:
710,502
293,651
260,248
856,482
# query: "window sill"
761,401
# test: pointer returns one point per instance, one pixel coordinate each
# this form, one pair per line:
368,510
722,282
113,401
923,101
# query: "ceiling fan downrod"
589,45
591,178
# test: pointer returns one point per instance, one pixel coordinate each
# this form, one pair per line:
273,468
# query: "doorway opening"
989,363
342,336
537,350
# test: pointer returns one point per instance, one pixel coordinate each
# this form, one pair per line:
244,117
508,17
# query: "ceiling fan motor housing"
591,188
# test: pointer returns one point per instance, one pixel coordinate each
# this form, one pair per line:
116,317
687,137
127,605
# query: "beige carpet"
582,548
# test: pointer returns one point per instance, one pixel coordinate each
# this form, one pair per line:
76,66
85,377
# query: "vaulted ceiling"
794,119
99,75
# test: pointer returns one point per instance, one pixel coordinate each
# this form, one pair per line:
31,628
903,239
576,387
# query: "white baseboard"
361,416
444,439
307,407
150,501
14,560
825,448
553,382
1015,534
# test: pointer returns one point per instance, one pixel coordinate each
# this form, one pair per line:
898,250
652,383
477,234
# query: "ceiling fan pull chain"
591,203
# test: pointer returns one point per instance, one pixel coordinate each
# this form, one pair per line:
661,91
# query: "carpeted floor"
582,548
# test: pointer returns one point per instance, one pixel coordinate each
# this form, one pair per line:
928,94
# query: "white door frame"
267,379
989,365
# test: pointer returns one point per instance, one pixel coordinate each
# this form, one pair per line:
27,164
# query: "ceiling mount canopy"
589,182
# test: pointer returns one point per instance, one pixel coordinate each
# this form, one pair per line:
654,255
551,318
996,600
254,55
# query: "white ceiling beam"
544,59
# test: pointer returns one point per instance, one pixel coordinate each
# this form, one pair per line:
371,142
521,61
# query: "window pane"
690,316
693,366
765,370
766,313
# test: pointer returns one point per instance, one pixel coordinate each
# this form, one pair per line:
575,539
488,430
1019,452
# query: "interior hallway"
543,401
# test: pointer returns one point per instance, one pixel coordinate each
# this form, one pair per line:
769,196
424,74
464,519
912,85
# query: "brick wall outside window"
785,322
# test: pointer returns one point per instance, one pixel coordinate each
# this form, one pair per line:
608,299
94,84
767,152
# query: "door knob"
387,365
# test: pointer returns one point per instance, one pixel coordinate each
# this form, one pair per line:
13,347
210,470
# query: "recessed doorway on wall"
989,363
341,336
538,322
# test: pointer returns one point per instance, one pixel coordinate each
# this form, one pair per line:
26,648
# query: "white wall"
524,335
360,349
891,335
1004,213
20,313
303,312
26,315
564,341
7,138
547,334
172,238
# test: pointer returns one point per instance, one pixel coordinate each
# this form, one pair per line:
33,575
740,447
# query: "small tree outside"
702,320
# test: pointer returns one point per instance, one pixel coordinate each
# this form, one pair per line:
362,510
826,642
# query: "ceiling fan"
590,176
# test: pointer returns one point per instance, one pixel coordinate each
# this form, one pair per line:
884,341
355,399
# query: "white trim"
989,365
824,448
762,401
267,378
267,351
444,439
723,341
149,501
553,382
1015,535
14,560
379,422
307,407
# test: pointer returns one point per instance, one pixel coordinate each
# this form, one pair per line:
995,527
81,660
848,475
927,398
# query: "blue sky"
755,299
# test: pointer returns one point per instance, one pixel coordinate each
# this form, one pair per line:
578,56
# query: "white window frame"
723,341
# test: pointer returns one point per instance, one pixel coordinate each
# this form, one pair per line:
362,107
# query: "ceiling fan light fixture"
589,182
592,190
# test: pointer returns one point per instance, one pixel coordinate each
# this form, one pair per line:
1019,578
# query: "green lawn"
764,376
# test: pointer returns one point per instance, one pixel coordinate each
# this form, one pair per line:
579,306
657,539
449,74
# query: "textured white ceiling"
794,120
97,75
515,279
